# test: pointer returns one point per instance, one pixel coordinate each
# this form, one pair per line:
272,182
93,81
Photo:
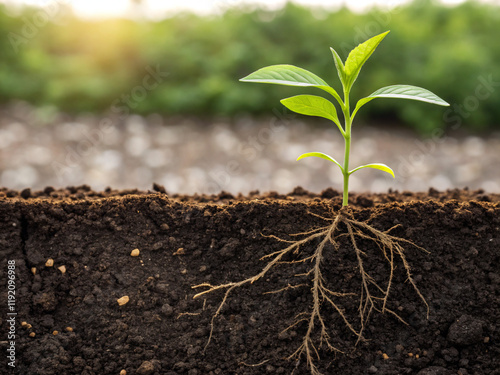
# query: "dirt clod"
467,330
146,368
435,370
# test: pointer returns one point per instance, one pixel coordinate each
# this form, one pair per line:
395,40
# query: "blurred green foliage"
79,65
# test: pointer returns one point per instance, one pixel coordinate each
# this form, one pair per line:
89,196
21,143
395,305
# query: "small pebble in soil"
33,270
24,324
62,269
55,333
49,262
146,368
123,300
32,334
123,372
385,356
69,329
180,251
135,253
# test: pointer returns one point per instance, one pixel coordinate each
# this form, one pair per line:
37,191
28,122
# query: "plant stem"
345,197
347,138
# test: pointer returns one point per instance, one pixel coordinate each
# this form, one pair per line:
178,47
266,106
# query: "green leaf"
402,92
339,65
358,56
290,75
408,92
312,105
322,156
379,166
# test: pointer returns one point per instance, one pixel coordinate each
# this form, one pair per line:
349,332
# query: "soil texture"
104,283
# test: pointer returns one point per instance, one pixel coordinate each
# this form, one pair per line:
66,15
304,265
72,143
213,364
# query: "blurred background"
127,93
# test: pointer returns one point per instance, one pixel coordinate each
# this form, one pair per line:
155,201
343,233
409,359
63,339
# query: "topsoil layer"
69,321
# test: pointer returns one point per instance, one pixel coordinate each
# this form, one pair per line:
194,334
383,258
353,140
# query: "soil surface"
69,320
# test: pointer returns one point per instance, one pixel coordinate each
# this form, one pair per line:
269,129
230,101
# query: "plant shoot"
312,105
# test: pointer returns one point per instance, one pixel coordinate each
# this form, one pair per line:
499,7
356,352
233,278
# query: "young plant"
372,293
312,105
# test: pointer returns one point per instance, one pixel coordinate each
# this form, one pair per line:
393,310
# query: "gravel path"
188,156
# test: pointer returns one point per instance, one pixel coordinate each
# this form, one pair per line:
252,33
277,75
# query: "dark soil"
184,241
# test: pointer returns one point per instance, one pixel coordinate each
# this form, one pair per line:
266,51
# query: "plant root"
372,296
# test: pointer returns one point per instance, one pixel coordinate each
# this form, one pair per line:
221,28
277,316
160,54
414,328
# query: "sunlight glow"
156,9
101,8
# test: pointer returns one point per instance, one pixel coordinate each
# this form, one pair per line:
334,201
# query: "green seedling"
373,293
312,105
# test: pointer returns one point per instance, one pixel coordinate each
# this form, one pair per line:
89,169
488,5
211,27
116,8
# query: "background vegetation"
75,65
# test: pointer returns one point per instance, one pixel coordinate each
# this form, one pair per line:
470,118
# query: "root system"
373,295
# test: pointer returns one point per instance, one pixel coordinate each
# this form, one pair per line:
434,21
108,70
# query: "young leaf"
380,166
339,65
402,92
312,105
322,156
358,56
290,75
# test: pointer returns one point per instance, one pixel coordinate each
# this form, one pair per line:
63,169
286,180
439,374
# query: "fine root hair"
373,296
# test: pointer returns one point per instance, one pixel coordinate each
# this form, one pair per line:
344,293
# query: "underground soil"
69,320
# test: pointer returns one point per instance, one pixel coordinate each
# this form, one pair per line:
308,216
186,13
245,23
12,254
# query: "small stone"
123,372
372,370
203,268
33,270
69,329
385,356
24,324
146,368
29,326
49,263
62,269
123,300
32,334
55,333
180,251
135,253
164,226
